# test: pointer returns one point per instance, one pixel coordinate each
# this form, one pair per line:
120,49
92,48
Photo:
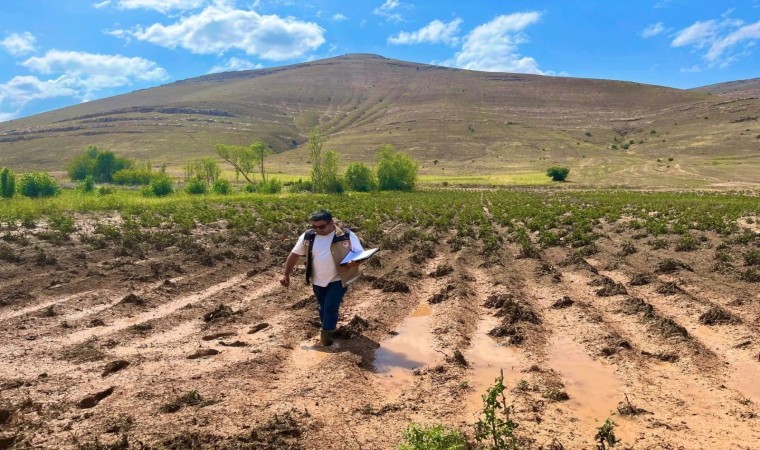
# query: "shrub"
101,164
7,183
360,178
396,171
299,186
196,186
496,429
161,186
222,187
557,173
271,186
105,190
88,185
133,177
38,184
435,437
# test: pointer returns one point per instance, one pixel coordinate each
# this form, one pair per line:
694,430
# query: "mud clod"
514,335
640,279
669,328
390,285
669,288
564,302
717,316
670,265
92,400
234,344
114,366
203,353
441,271
132,299
280,432
258,327
304,302
458,359
223,334
220,312
5,415
354,328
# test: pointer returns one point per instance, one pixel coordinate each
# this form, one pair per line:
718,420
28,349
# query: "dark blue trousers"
329,299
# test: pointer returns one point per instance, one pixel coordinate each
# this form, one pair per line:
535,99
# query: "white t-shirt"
323,270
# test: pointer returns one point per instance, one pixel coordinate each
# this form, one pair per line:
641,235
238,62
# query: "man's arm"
290,263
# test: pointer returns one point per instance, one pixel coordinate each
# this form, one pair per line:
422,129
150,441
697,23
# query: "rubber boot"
326,338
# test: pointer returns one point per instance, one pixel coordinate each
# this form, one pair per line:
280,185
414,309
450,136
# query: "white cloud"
19,43
220,28
234,64
434,32
493,46
693,69
339,17
726,41
6,116
386,10
698,34
102,4
97,71
162,6
652,30
79,75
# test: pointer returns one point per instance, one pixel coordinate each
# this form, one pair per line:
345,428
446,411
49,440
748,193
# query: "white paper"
358,256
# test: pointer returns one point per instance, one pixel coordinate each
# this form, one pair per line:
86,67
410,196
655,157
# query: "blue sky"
55,53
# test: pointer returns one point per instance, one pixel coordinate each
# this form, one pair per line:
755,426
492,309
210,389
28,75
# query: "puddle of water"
487,359
592,385
412,347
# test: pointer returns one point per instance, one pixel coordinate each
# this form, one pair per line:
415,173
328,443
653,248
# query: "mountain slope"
456,122
739,88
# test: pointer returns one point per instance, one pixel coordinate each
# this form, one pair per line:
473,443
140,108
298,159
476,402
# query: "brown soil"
223,355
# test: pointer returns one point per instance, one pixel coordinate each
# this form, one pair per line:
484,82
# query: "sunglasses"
320,227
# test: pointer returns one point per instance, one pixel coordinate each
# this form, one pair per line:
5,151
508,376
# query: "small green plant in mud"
605,435
191,398
435,437
496,429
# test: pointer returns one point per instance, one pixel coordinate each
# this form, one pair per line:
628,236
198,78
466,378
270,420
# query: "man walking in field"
324,245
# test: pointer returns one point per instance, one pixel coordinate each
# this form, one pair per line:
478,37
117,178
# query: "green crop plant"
605,435
434,437
495,428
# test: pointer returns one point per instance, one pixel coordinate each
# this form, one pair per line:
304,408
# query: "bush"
196,186
38,184
7,183
557,173
105,190
299,186
360,178
134,177
222,187
88,185
271,186
161,186
435,437
396,171
101,164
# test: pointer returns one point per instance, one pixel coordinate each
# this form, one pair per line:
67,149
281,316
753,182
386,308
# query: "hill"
739,88
458,123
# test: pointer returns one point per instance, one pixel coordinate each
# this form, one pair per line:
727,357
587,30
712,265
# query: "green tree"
557,173
204,169
396,171
360,178
315,143
7,183
38,184
196,186
222,187
331,179
161,186
100,164
260,150
241,158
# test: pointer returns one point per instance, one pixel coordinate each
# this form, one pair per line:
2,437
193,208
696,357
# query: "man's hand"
285,280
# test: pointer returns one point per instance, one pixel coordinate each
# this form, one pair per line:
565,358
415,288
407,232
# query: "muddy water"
412,347
592,385
487,359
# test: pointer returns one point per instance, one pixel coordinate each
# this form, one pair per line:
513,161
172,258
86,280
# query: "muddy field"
196,345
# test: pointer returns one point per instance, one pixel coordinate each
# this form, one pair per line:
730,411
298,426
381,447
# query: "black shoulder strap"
309,237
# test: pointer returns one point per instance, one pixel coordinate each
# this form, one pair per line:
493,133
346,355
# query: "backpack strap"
309,237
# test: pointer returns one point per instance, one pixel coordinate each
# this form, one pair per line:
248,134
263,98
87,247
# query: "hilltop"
455,122
739,88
